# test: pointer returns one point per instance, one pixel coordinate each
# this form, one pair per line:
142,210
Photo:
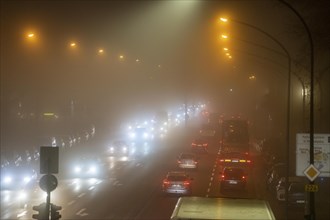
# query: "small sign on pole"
49,160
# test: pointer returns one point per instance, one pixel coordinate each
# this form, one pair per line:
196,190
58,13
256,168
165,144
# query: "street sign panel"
321,153
49,159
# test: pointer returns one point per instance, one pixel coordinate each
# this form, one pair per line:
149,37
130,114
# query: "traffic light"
54,212
43,212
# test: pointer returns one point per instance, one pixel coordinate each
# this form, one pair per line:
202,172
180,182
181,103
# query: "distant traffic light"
43,213
54,212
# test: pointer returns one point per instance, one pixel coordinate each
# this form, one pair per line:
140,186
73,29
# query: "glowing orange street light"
224,36
30,35
73,45
225,49
252,77
223,19
101,51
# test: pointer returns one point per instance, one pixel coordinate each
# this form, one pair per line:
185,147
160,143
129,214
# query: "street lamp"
289,95
73,44
311,132
100,51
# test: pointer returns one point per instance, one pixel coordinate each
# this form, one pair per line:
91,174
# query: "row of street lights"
32,37
311,214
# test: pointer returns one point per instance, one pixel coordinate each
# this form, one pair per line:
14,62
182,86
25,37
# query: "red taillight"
186,183
166,182
222,160
179,161
248,161
193,144
205,145
222,176
243,177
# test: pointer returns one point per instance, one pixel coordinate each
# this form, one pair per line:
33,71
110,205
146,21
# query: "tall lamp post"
311,215
288,100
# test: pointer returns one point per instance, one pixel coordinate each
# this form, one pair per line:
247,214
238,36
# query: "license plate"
300,201
232,182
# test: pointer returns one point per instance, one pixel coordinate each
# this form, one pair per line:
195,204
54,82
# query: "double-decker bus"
235,136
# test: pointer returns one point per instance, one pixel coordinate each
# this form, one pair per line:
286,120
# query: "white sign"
321,154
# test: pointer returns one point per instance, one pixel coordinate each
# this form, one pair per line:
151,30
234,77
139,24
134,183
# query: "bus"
235,136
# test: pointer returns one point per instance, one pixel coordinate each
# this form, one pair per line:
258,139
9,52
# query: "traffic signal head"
43,213
54,212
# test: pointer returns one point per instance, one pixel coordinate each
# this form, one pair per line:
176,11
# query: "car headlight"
7,180
145,135
132,135
124,149
26,179
92,169
77,169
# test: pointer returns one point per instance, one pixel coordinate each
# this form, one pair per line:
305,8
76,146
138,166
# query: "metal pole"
288,106
311,132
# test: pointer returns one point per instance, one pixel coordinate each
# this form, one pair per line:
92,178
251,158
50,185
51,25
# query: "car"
177,182
187,161
296,191
233,178
88,167
119,148
17,177
200,145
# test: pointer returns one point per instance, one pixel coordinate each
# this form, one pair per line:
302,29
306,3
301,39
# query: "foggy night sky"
180,36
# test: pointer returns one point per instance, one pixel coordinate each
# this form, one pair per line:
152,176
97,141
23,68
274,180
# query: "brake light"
223,176
222,160
248,161
186,183
193,144
179,161
243,177
166,182
205,145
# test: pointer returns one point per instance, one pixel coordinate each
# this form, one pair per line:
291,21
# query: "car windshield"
101,99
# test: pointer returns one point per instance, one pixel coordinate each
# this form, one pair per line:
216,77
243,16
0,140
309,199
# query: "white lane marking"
82,212
91,188
71,202
81,195
21,214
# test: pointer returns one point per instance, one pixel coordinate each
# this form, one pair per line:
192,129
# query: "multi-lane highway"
132,187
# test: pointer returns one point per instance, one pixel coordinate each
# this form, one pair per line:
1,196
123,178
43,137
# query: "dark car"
296,191
200,145
233,178
177,182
